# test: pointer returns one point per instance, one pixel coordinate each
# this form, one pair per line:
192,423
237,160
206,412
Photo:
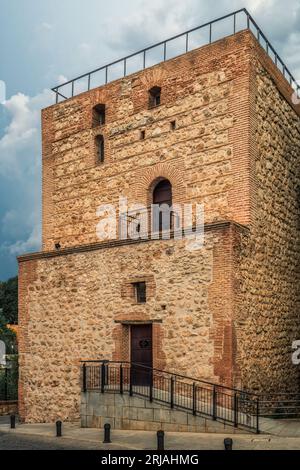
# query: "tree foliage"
8,313
9,300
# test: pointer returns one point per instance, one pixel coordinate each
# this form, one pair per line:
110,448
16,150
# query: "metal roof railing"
164,50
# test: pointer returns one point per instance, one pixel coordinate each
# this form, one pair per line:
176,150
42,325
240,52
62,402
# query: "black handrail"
249,21
169,373
198,397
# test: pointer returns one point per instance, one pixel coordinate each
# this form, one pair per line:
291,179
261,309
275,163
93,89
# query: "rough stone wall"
268,316
75,308
206,157
232,307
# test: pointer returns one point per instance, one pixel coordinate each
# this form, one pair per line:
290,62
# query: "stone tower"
215,126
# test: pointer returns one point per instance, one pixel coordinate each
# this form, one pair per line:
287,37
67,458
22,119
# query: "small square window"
140,292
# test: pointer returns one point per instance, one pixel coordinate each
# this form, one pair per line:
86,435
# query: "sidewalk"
133,440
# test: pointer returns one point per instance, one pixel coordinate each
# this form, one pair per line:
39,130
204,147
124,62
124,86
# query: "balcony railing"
172,47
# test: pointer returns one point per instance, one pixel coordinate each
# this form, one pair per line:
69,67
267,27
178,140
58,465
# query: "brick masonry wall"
75,309
268,315
206,157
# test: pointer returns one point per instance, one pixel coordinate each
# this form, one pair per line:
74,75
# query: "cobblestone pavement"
42,437
21,442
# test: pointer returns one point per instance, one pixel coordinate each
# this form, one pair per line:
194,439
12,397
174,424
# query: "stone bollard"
228,443
106,433
58,428
12,421
160,440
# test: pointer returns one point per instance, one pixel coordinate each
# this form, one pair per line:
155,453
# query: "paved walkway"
43,436
280,427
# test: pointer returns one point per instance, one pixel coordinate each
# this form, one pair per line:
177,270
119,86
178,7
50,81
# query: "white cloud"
46,26
61,79
156,21
20,168
21,139
32,243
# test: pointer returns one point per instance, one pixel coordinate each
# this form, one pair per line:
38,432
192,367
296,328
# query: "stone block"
138,425
83,421
162,415
101,410
137,402
178,417
121,400
133,413
145,414
196,420
125,423
118,423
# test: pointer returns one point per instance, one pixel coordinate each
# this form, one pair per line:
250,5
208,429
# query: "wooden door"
141,354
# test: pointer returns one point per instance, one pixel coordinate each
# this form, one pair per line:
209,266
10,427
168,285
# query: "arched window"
154,96
99,142
162,200
162,193
98,115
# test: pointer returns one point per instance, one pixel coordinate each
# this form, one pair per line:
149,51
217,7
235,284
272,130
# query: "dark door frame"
141,352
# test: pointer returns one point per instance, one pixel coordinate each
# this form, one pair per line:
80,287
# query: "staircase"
177,392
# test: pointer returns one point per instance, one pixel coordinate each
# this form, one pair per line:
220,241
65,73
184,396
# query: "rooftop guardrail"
173,47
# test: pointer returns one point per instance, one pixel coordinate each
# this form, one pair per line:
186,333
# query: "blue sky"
42,43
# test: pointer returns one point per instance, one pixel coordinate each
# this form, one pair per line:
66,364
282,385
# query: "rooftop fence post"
187,42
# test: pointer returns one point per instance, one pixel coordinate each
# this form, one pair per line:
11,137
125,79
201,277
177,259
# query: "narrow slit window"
99,115
100,148
140,292
154,97
173,125
142,135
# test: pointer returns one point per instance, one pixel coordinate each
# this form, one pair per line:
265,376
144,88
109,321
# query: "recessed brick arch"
147,180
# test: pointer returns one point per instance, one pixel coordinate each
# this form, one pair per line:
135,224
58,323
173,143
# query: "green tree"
8,337
9,300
